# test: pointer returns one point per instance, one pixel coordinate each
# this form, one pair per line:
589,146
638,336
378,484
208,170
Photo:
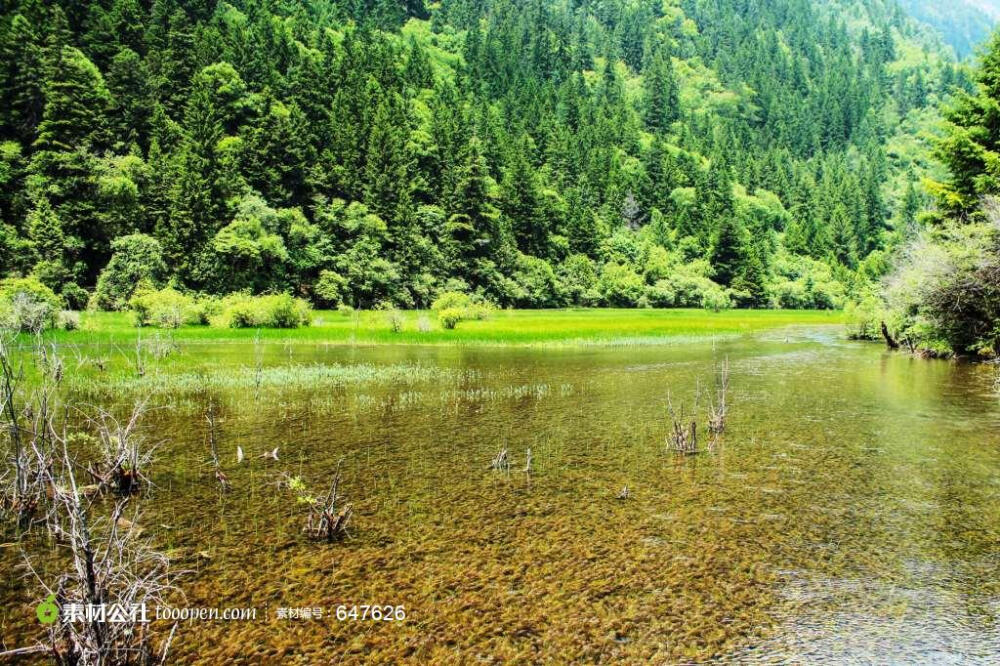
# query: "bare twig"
326,520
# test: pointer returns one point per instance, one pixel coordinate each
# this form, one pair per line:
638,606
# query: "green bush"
449,317
451,300
453,307
716,300
27,305
660,295
864,318
76,297
165,308
136,258
271,311
620,286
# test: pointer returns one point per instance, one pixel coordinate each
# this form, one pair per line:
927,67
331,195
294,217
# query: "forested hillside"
965,24
538,153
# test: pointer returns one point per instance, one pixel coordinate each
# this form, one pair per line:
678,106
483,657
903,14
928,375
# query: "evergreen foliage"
536,154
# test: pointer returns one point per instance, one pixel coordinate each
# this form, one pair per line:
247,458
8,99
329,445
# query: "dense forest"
541,153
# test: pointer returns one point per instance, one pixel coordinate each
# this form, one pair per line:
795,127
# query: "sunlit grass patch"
507,327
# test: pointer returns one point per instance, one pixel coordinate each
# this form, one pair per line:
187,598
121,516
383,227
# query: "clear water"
851,511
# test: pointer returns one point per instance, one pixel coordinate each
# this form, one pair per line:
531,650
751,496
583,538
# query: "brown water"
851,511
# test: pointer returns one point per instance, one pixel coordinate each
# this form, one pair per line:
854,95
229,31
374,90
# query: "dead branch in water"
501,461
27,422
124,454
326,520
113,571
220,476
717,407
683,436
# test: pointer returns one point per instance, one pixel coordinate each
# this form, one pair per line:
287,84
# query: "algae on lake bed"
853,490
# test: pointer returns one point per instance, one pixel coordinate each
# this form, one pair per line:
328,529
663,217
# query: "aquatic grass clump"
288,377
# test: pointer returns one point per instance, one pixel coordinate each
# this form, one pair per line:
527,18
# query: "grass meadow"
505,327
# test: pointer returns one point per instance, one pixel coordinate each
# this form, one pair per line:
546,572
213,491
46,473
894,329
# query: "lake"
850,511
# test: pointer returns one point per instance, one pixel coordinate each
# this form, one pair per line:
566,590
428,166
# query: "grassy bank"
509,327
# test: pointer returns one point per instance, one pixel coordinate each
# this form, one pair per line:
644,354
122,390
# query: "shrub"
716,300
864,318
945,294
27,305
136,258
660,295
329,290
68,320
271,311
451,300
453,307
164,308
76,297
449,317
620,286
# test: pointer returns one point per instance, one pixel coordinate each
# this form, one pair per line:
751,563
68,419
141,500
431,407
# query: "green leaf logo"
48,611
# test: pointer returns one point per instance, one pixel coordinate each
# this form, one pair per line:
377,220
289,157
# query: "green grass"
508,327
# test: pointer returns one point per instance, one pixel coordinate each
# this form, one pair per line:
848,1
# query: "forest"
378,153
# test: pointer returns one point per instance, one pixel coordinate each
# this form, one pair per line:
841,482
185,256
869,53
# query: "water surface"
850,512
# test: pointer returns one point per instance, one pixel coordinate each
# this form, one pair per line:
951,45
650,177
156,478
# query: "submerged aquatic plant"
290,376
213,447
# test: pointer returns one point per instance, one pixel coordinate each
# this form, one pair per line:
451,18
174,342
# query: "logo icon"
48,611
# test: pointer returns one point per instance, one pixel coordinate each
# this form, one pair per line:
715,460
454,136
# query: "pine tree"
521,199
388,162
76,104
728,252
662,94
23,79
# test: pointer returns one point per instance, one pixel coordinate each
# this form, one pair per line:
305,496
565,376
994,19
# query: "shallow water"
850,512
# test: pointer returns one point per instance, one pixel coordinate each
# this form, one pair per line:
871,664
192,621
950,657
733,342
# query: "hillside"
540,153
964,24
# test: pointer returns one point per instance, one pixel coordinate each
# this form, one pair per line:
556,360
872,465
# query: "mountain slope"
538,153
965,24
